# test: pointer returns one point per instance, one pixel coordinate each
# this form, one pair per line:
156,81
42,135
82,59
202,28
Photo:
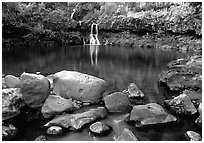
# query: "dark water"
117,65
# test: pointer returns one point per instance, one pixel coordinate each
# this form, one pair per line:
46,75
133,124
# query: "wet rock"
12,102
181,105
134,91
35,89
54,130
127,135
79,86
117,102
41,138
12,81
100,128
193,136
150,114
55,105
198,121
195,97
8,132
200,108
78,120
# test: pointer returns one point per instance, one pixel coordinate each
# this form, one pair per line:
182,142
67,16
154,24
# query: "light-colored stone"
8,132
55,105
200,108
11,102
54,130
150,114
12,81
35,89
193,136
82,87
99,128
134,91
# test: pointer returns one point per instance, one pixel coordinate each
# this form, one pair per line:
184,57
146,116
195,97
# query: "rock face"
77,121
184,74
12,81
150,114
134,91
117,102
100,128
35,89
181,105
11,102
193,136
8,132
54,130
79,86
55,105
127,135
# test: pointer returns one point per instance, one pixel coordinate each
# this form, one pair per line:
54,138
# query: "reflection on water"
93,50
117,65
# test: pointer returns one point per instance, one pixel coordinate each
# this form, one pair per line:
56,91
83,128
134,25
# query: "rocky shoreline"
70,100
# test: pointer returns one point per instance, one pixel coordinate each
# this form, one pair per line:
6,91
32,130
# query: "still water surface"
119,66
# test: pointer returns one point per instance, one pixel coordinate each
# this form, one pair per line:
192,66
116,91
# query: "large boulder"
79,86
35,89
12,102
193,136
8,132
78,120
127,135
12,81
150,114
181,105
100,128
117,102
55,105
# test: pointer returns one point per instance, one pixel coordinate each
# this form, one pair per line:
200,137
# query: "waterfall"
94,35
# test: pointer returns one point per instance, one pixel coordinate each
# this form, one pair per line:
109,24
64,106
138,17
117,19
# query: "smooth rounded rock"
41,138
82,87
55,105
193,136
12,81
200,108
99,128
117,102
150,114
35,89
54,130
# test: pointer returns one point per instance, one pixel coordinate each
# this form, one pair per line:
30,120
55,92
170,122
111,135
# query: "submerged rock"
127,135
12,81
41,138
82,87
100,128
117,102
78,120
8,132
181,105
54,130
35,89
193,136
55,105
12,102
150,114
134,91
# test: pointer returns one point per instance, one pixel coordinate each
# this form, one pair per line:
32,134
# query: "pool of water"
119,66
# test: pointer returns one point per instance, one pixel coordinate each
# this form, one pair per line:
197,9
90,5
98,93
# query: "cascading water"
94,35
